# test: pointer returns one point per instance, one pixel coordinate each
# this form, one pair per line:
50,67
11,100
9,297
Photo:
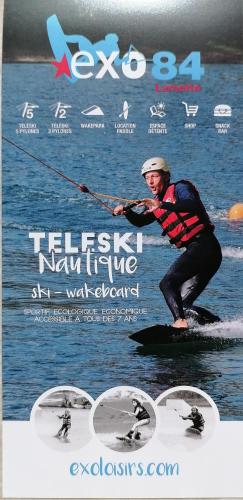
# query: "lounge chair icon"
158,110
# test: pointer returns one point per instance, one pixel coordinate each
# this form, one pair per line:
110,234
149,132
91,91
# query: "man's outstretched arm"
139,220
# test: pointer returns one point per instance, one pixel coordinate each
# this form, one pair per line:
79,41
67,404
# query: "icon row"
158,110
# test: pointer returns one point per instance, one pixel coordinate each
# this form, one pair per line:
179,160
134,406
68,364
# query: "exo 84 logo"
84,63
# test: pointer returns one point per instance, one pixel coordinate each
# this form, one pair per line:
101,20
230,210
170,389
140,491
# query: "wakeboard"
167,338
65,439
192,431
164,334
125,439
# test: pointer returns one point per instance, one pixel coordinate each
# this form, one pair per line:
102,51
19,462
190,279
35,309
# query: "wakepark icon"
93,111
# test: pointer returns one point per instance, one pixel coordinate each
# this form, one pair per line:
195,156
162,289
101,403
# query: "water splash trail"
228,329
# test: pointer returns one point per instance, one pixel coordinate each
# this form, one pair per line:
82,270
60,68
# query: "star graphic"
62,67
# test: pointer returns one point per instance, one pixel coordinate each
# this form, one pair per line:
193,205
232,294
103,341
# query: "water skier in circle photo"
143,418
66,424
197,420
178,209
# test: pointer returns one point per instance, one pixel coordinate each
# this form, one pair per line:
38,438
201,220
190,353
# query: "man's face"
155,181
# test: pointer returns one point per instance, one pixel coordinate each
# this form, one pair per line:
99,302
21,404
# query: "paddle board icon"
124,113
92,111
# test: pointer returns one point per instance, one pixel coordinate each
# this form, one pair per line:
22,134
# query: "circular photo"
124,419
187,418
61,417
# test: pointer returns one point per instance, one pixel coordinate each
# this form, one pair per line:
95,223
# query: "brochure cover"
122,249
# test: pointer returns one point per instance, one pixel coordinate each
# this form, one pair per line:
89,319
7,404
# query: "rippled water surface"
96,356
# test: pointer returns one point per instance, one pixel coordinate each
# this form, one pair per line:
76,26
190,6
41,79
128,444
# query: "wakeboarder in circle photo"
178,209
197,421
143,418
124,420
60,418
66,424
187,418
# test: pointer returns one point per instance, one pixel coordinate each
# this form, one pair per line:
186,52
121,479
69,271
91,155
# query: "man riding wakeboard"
178,209
66,424
142,416
197,419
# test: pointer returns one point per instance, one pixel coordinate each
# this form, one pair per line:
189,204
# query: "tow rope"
116,409
81,187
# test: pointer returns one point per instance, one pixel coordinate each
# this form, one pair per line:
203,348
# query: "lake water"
96,356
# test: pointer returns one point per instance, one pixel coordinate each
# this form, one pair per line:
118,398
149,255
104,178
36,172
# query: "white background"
31,469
